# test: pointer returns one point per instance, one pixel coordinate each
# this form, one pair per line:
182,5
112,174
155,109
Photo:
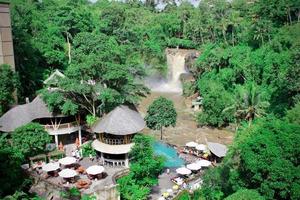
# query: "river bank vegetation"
247,74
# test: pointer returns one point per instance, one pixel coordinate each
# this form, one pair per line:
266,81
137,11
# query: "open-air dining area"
85,174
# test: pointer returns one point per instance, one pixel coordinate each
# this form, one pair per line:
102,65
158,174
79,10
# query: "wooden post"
79,136
56,140
126,160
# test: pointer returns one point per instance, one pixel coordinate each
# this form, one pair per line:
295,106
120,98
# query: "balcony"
115,140
60,129
111,149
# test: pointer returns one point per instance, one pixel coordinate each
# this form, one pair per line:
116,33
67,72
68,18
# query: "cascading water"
176,67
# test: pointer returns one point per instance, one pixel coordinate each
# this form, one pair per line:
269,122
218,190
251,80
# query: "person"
77,155
168,171
73,153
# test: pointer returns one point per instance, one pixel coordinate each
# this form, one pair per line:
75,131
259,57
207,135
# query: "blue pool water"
172,159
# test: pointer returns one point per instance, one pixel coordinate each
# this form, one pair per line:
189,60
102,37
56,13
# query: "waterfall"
176,61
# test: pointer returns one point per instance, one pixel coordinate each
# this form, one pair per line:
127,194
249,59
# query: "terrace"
51,182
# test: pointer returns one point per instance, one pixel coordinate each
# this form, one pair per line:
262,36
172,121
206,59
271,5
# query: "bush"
215,100
245,194
184,195
30,139
90,119
189,88
88,150
264,157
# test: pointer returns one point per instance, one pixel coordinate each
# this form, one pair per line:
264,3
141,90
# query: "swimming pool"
172,159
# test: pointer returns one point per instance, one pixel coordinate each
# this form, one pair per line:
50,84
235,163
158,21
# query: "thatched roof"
23,114
121,121
217,149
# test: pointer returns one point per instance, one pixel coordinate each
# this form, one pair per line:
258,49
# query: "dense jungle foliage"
247,74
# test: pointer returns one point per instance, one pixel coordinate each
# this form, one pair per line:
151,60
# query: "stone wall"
44,188
6,41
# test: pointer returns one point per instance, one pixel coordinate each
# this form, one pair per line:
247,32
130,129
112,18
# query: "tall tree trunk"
161,133
224,34
201,37
250,121
69,48
232,36
289,16
94,109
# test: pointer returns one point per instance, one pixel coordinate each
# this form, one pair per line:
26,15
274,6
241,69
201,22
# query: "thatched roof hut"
23,114
123,120
217,149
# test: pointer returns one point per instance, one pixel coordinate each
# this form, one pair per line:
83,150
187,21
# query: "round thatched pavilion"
114,134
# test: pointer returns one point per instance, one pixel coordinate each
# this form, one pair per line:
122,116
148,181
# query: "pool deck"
164,183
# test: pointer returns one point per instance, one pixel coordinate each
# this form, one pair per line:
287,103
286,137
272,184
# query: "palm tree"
248,104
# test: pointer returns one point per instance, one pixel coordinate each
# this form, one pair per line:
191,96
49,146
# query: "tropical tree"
144,169
8,84
263,157
248,103
293,115
161,113
245,194
30,139
98,79
11,174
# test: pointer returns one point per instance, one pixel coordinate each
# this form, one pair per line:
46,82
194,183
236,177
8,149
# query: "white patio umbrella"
95,169
50,167
201,147
169,190
161,198
191,144
204,163
183,171
67,160
67,173
194,166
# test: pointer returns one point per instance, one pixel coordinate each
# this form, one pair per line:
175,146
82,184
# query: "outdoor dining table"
183,171
67,160
194,166
51,168
68,174
95,171
204,163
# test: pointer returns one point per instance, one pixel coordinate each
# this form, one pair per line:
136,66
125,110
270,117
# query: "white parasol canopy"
67,173
67,160
95,169
204,163
201,147
183,171
191,144
50,167
169,190
194,166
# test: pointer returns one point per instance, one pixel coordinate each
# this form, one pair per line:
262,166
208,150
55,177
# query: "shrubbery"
144,170
264,157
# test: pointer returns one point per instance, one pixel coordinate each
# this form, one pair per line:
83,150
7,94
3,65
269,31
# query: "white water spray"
176,61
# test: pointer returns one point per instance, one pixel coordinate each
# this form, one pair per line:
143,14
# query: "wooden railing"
114,163
59,126
113,141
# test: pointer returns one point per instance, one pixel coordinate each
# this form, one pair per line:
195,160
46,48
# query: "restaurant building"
115,132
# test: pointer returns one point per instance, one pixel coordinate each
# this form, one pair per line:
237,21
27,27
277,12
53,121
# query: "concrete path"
164,183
